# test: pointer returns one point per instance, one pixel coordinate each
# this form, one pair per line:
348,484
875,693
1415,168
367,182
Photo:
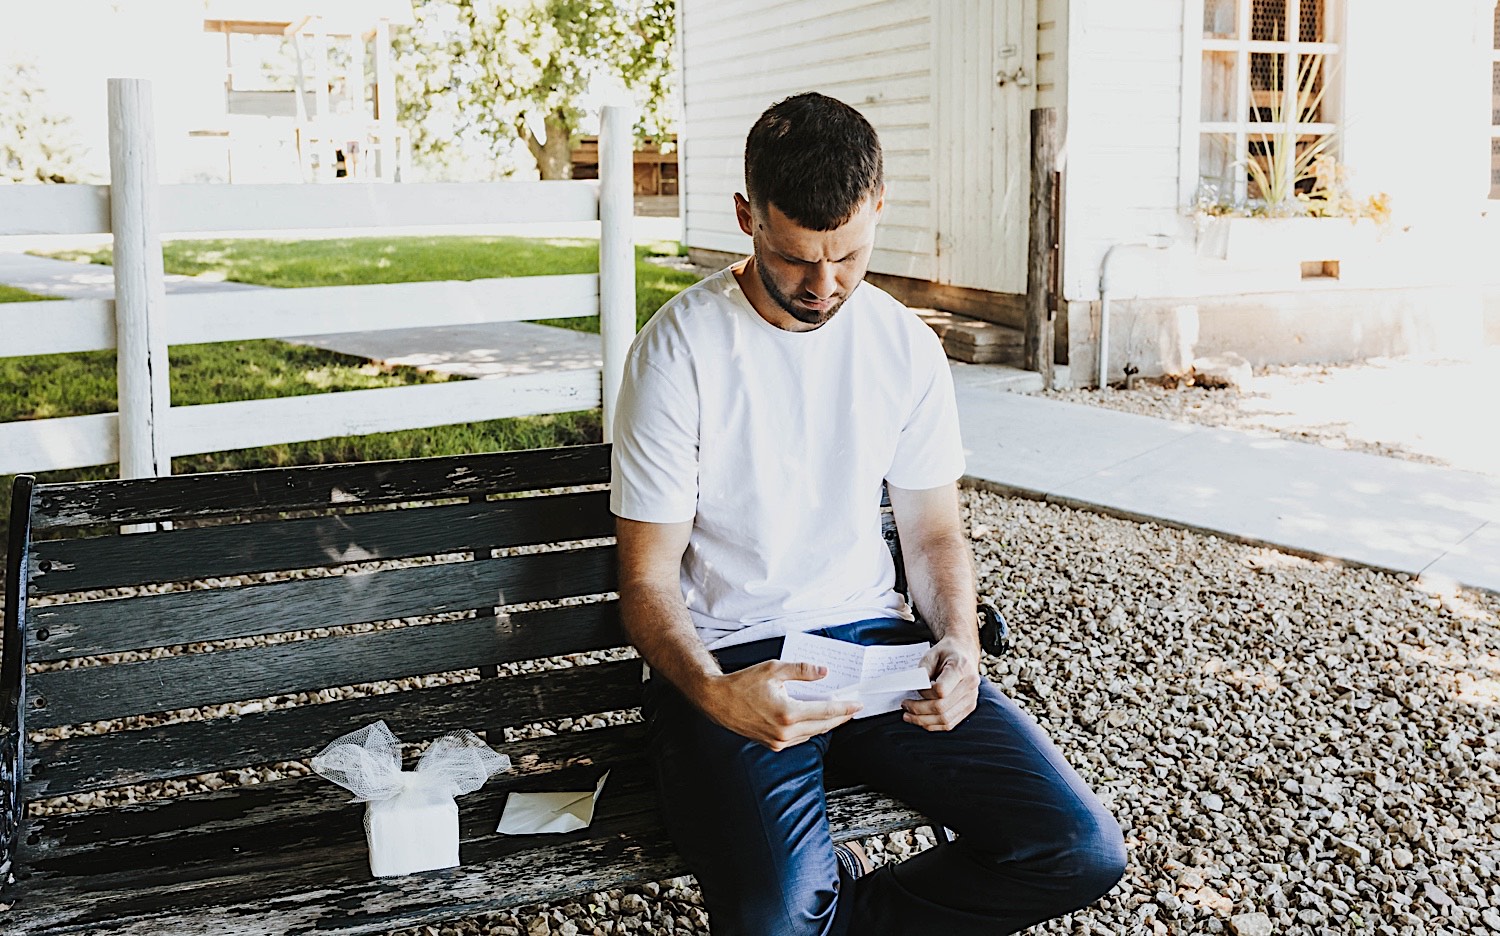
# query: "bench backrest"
498,565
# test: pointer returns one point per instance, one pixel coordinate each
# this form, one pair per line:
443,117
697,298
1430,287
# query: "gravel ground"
1290,747
1415,408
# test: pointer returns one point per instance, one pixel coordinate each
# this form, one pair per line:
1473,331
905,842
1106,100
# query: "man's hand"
753,702
954,665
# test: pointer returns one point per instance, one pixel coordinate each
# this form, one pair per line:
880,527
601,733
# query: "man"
760,413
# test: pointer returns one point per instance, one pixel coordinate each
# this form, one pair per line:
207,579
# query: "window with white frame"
1495,110
1268,102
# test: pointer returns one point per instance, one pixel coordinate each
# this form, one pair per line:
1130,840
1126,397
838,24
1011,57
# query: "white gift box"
411,820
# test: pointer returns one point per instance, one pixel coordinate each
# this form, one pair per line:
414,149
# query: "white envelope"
530,813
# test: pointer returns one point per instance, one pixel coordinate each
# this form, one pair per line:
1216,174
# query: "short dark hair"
815,158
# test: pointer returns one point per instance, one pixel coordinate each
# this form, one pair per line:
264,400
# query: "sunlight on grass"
352,261
12,294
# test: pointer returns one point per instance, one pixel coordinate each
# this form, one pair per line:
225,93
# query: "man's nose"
822,281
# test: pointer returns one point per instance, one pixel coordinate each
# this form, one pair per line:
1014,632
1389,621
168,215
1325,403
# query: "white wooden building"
1162,104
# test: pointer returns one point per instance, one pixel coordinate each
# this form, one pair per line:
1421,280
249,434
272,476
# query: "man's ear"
743,215
880,203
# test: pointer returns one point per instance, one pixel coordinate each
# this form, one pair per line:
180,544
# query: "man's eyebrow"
786,256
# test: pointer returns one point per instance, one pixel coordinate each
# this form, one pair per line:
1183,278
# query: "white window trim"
1194,44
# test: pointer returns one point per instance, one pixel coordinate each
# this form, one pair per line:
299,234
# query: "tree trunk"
554,158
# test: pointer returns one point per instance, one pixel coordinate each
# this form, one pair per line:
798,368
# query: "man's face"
808,274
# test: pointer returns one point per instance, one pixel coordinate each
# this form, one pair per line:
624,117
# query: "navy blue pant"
1033,841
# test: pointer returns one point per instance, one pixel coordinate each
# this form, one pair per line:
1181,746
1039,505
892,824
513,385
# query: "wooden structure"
342,125
142,322
1160,108
461,593
654,164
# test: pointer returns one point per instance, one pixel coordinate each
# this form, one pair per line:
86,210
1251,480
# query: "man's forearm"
940,571
657,623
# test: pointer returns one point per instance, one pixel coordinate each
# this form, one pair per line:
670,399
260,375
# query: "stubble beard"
805,316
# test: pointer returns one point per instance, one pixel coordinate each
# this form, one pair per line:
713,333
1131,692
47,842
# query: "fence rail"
142,321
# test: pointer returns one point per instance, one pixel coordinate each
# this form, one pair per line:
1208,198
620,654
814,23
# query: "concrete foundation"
1163,336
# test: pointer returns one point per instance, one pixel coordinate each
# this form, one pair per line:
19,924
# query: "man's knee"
1081,857
1091,855
1100,858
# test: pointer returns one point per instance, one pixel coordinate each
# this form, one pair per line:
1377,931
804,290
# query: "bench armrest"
13,677
994,633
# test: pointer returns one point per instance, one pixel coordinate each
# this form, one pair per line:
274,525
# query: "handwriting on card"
879,677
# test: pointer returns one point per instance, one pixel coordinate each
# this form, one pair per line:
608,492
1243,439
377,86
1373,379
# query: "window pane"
1268,19
1495,168
1495,94
1497,27
1221,19
1310,22
1216,169
1219,85
1267,79
1308,101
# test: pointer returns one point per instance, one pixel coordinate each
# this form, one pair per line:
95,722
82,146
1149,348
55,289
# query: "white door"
984,88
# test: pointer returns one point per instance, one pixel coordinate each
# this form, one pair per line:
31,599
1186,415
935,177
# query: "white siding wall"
741,56
1123,108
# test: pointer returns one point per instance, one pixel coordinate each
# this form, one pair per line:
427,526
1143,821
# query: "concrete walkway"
1440,523
1403,516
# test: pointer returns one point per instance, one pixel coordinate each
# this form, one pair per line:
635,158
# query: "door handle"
1018,77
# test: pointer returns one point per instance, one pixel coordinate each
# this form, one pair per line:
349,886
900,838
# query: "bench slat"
88,628
226,494
163,684
539,763
300,875
70,565
96,762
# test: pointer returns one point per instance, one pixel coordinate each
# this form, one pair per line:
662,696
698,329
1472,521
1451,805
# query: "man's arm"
751,702
940,573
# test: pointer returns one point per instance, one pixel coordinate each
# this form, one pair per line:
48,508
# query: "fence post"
140,289
1038,342
616,252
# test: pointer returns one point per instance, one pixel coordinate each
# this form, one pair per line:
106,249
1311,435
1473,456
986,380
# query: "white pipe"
1155,242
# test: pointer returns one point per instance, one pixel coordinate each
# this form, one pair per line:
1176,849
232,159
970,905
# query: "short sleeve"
929,452
654,462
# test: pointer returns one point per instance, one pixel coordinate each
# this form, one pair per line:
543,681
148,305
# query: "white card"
532,813
878,676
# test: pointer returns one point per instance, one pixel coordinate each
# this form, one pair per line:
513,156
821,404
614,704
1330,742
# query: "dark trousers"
1033,842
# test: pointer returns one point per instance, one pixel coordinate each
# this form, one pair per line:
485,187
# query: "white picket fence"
142,321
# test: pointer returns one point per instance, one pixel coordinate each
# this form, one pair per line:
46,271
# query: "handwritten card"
880,677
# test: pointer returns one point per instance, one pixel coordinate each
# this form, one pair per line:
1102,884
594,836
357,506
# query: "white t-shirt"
775,443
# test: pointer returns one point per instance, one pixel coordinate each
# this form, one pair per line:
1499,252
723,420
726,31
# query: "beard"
811,317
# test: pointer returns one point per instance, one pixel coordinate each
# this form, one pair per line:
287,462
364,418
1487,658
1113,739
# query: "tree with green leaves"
36,143
490,72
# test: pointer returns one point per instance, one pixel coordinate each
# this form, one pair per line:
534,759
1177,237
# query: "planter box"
1257,242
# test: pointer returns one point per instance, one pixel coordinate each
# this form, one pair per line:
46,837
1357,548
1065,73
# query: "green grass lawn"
12,294
359,261
84,383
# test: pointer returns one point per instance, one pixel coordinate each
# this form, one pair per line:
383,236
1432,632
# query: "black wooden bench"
502,558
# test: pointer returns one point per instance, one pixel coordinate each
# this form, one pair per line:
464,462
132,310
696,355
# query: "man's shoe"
852,859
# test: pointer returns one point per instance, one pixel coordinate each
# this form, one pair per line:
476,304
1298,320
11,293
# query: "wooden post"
1042,249
140,287
616,252
385,104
